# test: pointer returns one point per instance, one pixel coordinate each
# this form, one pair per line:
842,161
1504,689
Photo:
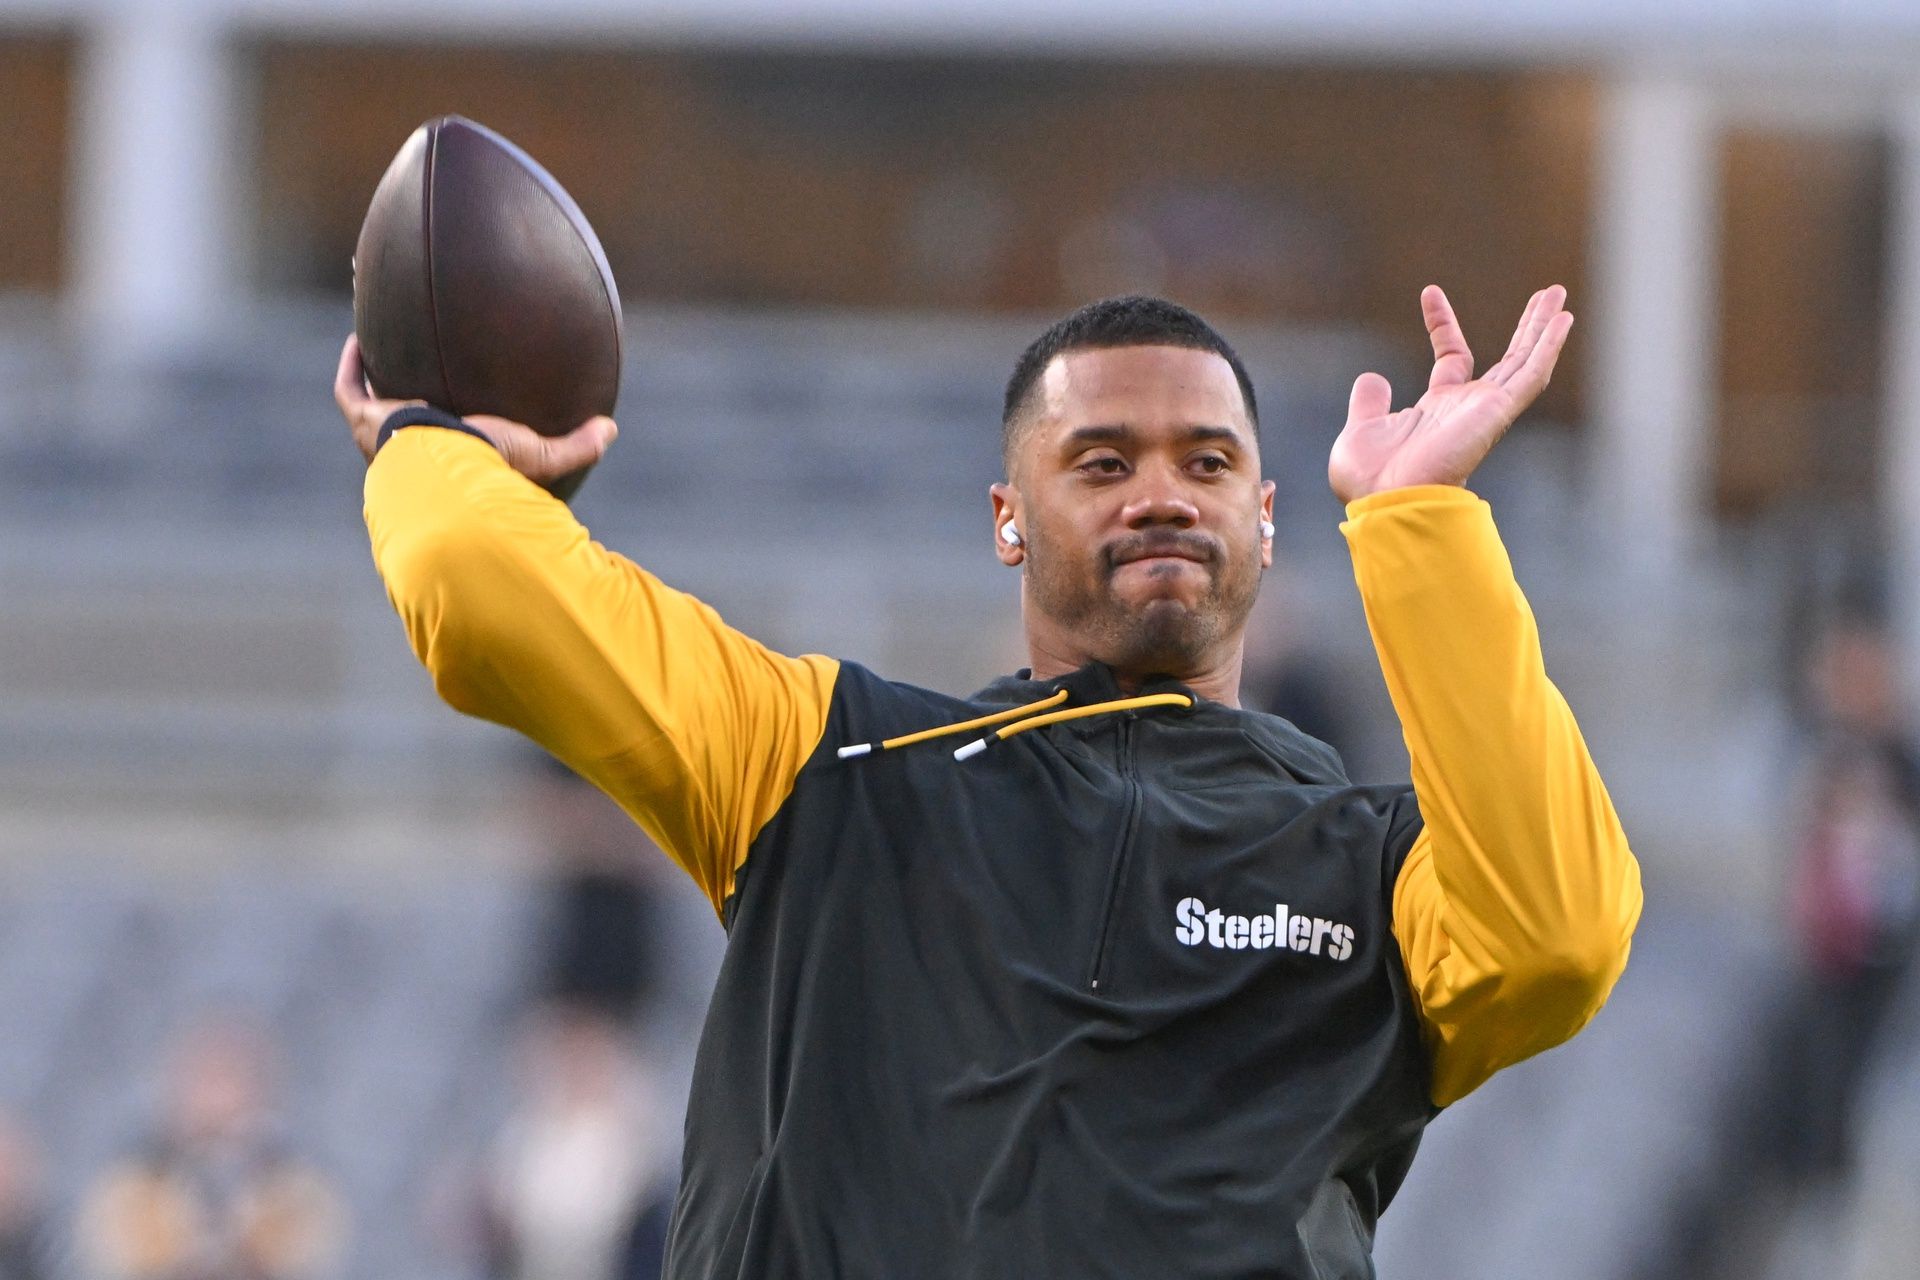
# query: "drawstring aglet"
1006,731
1053,699
1017,720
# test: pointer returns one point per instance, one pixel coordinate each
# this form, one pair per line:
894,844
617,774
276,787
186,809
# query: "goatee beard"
1163,638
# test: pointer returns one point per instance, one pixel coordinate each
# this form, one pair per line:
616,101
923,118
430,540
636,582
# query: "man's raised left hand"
1443,436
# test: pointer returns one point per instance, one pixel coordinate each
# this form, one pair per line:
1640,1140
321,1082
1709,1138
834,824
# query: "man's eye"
1103,466
1211,464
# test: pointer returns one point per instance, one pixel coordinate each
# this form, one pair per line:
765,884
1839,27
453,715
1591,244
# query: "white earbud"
1010,535
1266,528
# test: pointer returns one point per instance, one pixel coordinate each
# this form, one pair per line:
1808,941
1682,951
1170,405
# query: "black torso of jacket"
996,1018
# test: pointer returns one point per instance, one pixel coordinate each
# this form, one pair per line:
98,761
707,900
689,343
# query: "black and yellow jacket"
1153,991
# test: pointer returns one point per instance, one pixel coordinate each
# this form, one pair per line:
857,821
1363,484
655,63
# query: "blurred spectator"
23,1227
215,1192
577,1186
603,883
1854,890
1781,1156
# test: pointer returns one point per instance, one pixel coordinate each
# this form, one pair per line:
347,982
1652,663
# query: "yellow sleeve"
1515,908
521,618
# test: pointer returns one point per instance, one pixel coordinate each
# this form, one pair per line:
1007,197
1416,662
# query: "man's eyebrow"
1121,433
1099,433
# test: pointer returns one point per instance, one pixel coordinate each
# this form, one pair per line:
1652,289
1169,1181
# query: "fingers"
583,446
1531,378
547,458
363,410
539,458
1516,349
1540,312
1452,361
350,381
1550,302
1372,398
357,405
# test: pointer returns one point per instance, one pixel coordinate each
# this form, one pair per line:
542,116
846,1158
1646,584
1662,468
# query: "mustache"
1186,543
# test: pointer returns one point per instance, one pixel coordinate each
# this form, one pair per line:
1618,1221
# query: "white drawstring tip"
971,750
857,749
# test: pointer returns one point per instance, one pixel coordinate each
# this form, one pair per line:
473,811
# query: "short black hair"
1131,321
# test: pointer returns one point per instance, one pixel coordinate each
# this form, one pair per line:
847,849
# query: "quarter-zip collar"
1095,682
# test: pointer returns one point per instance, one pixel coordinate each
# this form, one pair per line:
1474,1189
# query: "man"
1134,982
216,1191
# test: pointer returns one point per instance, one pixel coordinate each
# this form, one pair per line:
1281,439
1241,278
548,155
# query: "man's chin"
1159,596
1160,609
1161,633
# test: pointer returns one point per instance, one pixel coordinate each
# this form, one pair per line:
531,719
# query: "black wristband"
424,415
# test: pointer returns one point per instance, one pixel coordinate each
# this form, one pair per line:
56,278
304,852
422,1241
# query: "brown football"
479,287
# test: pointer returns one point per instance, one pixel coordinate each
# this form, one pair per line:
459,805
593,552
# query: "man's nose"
1157,500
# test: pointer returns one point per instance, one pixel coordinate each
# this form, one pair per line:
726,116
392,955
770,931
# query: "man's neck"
1217,679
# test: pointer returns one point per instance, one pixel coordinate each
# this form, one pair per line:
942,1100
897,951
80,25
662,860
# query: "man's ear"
1005,515
1266,513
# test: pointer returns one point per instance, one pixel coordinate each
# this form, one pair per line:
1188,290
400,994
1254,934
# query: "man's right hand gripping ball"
541,459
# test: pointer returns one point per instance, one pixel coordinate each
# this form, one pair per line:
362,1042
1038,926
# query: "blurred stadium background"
259,892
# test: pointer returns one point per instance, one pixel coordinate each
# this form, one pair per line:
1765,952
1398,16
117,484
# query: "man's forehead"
1141,387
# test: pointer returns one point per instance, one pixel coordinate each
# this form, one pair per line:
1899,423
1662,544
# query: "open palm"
1443,437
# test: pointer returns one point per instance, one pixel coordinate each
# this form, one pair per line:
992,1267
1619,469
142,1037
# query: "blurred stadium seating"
388,1007
100,975
225,784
